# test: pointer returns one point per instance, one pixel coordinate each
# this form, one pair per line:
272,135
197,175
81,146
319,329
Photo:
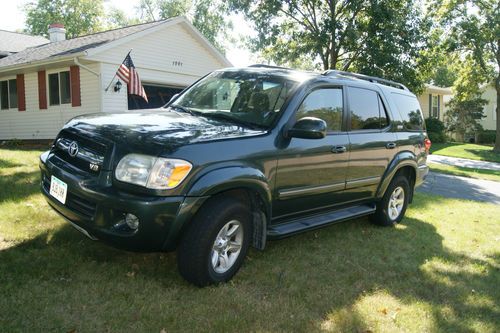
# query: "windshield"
247,98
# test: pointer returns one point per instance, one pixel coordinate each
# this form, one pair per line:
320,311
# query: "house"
14,42
433,101
44,86
489,122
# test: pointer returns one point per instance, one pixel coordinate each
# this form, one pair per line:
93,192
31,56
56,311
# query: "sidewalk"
462,162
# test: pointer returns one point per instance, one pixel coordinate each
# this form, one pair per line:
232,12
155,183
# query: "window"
434,106
367,110
59,88
8,94
324,104
410,112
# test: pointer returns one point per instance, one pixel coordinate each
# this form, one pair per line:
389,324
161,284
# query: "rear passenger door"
373,142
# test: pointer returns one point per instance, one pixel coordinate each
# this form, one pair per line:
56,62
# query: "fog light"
132,221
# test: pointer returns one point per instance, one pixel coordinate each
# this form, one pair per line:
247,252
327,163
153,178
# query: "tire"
200,254
391,209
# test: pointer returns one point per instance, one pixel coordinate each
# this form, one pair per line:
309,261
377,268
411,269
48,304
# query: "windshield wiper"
182,109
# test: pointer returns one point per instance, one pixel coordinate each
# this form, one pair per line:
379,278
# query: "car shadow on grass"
315,281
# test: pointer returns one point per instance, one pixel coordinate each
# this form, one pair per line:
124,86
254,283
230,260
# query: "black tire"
194,252
382,216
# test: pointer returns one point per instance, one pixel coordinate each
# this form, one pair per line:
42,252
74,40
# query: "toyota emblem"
73,149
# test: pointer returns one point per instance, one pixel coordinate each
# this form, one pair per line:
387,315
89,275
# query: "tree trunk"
497,141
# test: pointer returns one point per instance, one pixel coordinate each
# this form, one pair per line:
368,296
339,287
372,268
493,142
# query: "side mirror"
308,128
173,97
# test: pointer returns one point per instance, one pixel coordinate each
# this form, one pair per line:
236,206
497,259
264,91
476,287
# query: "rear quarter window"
409,108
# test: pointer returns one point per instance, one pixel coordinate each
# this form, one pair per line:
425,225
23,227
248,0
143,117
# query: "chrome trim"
309,190
82,152
362,182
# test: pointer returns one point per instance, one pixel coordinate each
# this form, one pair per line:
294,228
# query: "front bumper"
98,210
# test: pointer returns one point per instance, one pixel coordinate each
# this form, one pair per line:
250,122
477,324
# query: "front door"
311,172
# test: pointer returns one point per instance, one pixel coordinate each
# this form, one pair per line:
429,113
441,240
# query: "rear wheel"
391,209
215,245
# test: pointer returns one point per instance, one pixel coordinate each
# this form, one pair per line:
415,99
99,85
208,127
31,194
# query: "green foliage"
209,17
373,37
487,136
117,18
79,17
444,76
435,130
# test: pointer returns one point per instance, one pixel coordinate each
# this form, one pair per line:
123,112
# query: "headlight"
152,172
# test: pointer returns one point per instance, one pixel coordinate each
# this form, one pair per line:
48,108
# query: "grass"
465,172
466,150
438,271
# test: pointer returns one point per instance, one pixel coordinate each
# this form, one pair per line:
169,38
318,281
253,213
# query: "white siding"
45,124
489,110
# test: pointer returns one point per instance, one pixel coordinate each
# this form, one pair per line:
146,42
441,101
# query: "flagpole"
107,88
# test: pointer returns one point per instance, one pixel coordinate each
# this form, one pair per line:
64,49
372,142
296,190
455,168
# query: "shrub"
435,130
488,136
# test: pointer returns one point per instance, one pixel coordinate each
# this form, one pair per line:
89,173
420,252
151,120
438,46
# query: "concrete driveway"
461,187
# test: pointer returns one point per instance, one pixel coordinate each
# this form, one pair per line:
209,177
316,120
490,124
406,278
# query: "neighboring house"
433,101
43,87
489,122
14,42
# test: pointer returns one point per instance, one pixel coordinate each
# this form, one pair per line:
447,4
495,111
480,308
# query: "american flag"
129,75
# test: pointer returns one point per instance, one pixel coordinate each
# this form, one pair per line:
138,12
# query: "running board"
317,221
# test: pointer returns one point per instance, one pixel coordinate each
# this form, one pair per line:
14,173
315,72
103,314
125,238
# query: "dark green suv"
241,156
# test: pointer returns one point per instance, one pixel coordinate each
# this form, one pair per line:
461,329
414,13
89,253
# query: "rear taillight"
427,144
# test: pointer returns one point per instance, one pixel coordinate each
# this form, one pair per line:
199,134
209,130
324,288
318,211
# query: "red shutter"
42,90
75,86
21,97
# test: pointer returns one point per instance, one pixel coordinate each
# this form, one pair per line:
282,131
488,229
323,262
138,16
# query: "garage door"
157,96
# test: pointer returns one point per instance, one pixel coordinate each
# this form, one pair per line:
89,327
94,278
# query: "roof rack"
375,79
270,66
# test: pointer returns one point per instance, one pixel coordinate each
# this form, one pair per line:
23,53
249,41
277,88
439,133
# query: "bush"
437,137
488,136
435,130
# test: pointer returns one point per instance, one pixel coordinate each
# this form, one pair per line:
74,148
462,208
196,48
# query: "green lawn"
466,150
465,172
438,271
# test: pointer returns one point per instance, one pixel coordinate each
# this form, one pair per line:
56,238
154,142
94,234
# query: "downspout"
85,67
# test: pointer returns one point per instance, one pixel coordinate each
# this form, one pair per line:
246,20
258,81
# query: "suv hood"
164,129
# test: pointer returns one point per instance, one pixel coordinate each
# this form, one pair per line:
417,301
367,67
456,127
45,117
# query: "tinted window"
13,94
324,104
4,94
367,110
54,89
65,87
409,108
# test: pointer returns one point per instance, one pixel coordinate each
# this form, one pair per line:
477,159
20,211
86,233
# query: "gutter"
38,62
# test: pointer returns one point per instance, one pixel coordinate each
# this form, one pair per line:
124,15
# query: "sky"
12,18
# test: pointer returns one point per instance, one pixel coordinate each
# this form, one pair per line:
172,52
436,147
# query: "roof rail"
270,66
375,79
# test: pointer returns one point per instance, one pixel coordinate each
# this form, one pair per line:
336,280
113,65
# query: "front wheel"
215,245
391,209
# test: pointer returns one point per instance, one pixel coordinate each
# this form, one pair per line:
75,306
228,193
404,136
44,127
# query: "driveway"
462,162
461,187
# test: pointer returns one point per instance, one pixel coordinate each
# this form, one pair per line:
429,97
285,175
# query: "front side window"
245,97
325,104
367,110
8,94
59,88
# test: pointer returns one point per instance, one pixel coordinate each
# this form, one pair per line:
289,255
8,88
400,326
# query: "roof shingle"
12,42
74,45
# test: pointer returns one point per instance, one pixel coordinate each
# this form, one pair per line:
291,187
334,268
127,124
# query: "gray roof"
74,45
13,42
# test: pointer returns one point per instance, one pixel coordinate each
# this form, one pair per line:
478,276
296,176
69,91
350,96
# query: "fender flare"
402,159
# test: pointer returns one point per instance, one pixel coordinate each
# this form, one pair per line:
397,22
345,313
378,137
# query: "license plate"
58,189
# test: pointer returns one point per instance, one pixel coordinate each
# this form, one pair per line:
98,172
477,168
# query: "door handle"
339,149
390,145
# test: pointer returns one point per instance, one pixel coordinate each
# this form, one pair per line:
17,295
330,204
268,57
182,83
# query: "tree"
209,17
374,37
78,16
465,109
117,18
474,30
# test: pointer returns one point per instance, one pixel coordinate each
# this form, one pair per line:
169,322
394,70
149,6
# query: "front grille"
75,202
88,155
